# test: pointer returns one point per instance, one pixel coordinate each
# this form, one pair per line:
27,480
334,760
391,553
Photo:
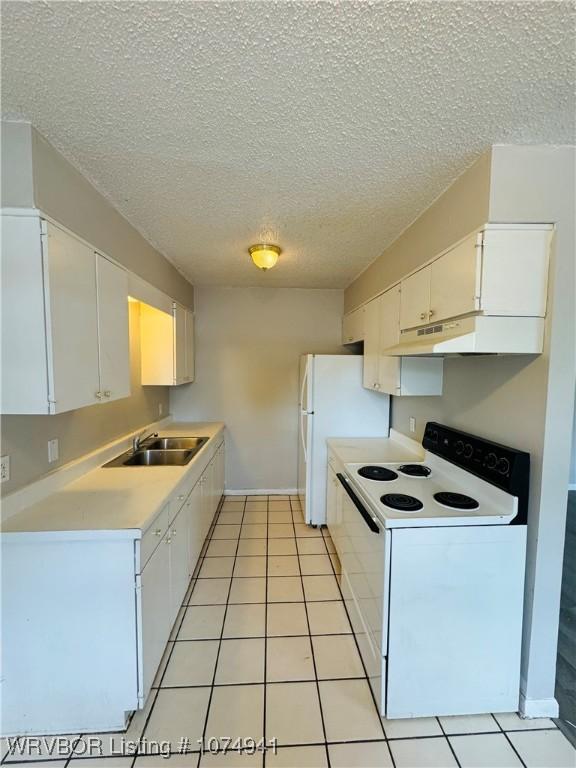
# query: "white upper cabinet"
166,345
114,344
372,313
353,326
58,340
500,270
179,344
394,375
189,369
415,302
455,281
71,320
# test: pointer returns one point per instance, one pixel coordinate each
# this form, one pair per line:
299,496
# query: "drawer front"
153,535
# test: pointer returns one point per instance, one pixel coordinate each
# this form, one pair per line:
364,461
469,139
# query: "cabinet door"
179,536
455,281
415,299
189,322
371,344
179,344
353,326
71,321
196,534
113,340
155,611
389,367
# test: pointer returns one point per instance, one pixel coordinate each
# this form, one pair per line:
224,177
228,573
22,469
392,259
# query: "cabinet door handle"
167,540
431,313
107,393
98,395
158,532
173,531
422,315
181,497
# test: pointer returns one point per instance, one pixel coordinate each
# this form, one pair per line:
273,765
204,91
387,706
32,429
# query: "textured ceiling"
326,127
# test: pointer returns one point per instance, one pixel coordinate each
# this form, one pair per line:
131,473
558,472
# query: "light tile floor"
262,647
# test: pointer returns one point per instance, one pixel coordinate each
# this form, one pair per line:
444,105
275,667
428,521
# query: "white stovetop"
495,506
114,499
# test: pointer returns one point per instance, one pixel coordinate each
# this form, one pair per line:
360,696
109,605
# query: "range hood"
476,334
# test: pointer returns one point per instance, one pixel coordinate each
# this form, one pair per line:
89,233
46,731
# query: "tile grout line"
313,655
264,733
450,747
509,741
218,652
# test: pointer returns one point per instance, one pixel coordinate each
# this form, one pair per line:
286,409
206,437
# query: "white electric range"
433,557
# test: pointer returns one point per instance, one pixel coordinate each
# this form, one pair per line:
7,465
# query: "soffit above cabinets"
324,127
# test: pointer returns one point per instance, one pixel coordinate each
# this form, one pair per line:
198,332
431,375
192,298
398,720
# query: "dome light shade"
264,256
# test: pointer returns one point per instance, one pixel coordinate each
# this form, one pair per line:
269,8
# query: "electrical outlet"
4,468
53,450
412,424
160,409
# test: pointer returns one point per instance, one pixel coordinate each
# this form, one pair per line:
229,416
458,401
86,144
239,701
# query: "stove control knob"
491,461
459,447
468,451
503,466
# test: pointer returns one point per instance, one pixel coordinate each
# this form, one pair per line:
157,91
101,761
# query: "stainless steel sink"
175,443
160,452
148,458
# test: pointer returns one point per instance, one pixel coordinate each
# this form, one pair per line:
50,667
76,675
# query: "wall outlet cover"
53,450
160,409
412,424
4,468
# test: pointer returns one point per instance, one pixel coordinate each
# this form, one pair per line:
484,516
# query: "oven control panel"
498,464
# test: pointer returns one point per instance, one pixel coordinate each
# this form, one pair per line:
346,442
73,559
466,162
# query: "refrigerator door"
305,400
305,392
342,408
304,464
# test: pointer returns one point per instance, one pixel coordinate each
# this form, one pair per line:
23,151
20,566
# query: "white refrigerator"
333,403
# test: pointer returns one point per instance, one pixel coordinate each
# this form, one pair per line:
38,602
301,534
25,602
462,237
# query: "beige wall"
35,174
248,345
523,401
25,438
462,208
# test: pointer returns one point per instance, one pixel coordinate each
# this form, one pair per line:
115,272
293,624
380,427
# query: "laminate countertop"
118,499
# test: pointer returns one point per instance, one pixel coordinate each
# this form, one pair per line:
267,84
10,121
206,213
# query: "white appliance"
332,403
433,574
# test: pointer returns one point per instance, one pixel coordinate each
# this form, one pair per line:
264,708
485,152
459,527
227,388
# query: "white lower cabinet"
179,543
166,575
155,613
86,615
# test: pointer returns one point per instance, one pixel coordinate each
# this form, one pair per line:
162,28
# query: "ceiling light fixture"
264,256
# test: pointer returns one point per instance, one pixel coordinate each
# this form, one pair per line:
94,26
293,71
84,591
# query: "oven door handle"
368,519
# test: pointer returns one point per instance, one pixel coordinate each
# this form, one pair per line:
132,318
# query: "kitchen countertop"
376,449
115,498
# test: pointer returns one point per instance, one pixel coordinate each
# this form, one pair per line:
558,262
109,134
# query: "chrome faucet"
138,439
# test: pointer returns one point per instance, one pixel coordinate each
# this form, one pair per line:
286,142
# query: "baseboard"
261,492
538,707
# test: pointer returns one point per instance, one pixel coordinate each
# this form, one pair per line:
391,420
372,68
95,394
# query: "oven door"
364,546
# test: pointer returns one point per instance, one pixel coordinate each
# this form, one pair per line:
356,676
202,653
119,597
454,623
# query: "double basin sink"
160,452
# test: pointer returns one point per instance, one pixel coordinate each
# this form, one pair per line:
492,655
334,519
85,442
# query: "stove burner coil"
402,502
377,473
456,500
415,470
